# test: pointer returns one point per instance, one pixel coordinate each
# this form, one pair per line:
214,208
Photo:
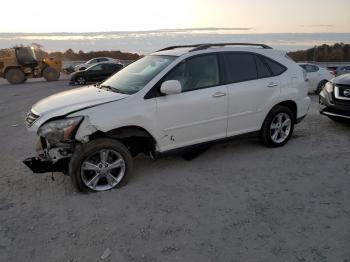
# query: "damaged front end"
50,158
55,146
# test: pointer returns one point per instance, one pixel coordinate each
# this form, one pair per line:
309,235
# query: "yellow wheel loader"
19,63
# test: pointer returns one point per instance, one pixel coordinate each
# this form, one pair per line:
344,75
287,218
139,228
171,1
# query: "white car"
172,100
317,76
92,62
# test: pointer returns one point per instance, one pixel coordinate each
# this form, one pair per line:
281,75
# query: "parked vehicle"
20,63
341,70
317,76
332,70
95,73
174,99
93,62
335,99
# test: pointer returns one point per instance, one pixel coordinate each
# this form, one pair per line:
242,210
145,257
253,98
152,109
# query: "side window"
240,67
108,67
96,68
276,68
92,61
263,70
310,68
196,73
315,68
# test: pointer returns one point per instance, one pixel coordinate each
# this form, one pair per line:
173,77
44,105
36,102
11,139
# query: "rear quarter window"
275,67
263,70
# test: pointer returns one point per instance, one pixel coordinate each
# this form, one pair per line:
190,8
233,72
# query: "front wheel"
277,127
100,165
80,80
51,74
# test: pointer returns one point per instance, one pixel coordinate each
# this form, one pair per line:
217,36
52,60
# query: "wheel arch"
137,139
292,105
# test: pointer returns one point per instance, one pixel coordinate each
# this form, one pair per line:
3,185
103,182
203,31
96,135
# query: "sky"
255,16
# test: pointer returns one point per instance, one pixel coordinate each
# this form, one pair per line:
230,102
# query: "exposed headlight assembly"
60,130
327,92
329,87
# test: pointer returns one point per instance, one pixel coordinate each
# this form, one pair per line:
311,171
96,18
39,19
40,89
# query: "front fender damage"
55,158
85,130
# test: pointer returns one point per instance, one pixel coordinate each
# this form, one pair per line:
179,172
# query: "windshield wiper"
110,88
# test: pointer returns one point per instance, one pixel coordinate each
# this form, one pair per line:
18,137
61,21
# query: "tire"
15,76
80,80
320,86
277,127
51,74
91,172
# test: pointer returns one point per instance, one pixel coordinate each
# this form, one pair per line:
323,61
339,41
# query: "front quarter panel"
131,111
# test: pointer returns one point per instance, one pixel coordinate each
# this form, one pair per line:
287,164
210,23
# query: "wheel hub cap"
103,170
280,127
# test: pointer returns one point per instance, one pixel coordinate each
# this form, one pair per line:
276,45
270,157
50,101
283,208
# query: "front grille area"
342,92
31,118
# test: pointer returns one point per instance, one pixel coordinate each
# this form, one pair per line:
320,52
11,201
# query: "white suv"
176,98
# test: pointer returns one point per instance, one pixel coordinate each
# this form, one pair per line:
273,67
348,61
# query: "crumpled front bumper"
39,165
330,106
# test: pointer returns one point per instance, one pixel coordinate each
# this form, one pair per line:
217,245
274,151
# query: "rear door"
252,87
199,113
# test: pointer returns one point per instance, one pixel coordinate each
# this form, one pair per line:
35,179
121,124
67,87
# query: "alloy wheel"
280,128
103,170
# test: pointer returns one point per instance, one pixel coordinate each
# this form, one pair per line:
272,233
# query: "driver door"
199,113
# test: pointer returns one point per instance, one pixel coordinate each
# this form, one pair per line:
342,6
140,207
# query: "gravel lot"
237,201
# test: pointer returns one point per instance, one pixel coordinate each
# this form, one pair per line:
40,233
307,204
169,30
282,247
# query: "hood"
72,100
342,79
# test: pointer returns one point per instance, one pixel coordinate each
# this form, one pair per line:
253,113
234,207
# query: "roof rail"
206,46
198,47
177,46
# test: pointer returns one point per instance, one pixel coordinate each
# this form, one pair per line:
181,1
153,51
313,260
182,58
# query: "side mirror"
171,87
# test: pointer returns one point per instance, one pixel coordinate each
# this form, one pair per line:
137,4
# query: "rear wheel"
277,127
15,76
51,74
100,165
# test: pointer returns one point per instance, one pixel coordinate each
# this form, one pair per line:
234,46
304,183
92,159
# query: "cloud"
319,26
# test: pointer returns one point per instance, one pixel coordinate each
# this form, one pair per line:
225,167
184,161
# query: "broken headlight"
60,130
329,87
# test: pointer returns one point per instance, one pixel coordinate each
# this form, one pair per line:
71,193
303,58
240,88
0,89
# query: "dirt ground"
237,201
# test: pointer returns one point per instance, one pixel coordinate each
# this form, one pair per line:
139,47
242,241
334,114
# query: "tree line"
70,55
339,52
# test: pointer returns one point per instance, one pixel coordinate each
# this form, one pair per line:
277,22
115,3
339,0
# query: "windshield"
134,77
26,56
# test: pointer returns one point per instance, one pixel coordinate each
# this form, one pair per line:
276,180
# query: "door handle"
219,94
272,84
